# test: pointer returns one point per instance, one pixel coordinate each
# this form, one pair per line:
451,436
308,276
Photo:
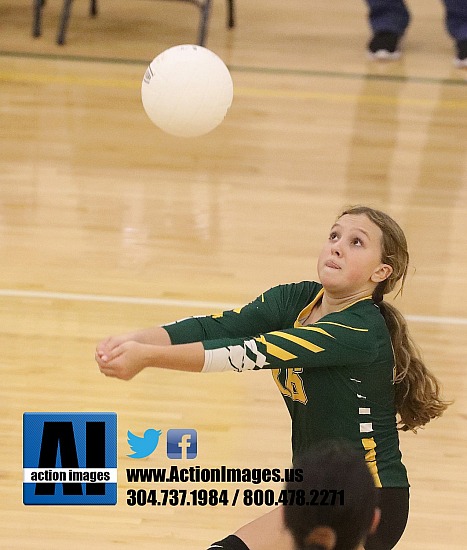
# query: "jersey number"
293,386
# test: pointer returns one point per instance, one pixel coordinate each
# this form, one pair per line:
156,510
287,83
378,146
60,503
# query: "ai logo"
70,458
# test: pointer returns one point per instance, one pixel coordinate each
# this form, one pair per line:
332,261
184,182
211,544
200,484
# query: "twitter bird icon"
143,446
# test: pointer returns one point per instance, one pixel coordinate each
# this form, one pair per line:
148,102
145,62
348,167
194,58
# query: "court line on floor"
304,95
286,71
213,306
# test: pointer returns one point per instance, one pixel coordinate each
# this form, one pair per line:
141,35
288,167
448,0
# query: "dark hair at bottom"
334,466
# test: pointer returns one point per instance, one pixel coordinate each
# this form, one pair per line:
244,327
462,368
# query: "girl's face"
350,261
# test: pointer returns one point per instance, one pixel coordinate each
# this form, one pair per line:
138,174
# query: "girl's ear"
381,273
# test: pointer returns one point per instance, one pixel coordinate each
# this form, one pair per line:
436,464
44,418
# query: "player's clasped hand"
122,360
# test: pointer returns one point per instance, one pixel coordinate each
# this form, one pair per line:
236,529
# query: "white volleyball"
187,90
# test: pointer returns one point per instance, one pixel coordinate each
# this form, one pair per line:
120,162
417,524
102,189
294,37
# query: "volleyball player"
341,356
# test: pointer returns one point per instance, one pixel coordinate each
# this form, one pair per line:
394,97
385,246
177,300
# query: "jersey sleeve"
328,343
263,314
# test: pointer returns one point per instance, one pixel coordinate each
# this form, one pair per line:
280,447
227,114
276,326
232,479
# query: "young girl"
341,356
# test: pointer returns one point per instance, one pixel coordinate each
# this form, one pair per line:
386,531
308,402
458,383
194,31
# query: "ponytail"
417,391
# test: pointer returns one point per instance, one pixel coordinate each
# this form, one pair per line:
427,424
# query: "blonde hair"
417,391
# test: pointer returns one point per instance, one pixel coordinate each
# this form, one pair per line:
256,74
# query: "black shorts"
394,506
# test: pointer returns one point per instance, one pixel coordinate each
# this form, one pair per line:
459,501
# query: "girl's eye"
332,236
357,241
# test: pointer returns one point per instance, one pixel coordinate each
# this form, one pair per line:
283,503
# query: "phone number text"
225,497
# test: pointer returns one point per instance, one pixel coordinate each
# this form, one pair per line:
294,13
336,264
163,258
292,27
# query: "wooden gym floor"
107,224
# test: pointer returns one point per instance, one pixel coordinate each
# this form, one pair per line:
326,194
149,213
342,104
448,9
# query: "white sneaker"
461,60
384,46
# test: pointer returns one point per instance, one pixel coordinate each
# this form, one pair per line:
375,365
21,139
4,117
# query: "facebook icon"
182,443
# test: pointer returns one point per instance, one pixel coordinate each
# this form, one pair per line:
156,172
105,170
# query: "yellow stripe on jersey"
317,329
343,326
300,341
370,459
276,350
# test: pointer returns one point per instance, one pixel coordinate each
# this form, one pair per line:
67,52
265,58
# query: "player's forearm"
184,357
157,336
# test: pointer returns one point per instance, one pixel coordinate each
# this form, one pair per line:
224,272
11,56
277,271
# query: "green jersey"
336,375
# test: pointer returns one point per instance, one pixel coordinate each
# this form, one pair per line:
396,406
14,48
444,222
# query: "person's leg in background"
389,20
456,24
